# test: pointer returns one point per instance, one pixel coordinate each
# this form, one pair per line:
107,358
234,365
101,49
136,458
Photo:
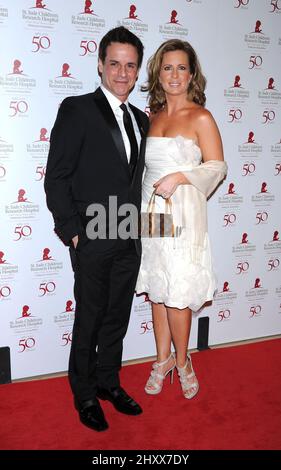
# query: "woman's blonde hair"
196,87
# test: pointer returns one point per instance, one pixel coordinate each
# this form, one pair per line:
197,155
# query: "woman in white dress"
184,162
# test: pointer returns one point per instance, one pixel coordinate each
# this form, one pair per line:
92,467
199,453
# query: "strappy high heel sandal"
154,384
189,382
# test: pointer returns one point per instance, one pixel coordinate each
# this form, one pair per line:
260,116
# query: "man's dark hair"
124,36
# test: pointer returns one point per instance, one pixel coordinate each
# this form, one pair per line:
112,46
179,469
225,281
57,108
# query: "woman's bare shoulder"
203,118
202,113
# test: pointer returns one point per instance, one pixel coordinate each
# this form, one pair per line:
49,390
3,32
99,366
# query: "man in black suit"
97,155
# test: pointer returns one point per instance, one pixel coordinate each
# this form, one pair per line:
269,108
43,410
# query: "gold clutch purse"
157,224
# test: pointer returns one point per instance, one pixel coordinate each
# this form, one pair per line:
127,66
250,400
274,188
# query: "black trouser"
104,289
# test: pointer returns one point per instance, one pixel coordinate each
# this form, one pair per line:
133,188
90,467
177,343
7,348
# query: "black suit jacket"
87,162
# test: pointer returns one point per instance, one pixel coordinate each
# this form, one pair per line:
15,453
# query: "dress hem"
172,305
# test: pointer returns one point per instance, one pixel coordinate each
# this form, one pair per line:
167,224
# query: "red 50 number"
255,61
278,169
88,47
22,231
273,264
26,343
18,107
46,288
234,114
255,310
146,326
223,314
66,338
261,217
242,267
5,291
276,5
229,219
248,169
40,42
268,116
241,2
40,171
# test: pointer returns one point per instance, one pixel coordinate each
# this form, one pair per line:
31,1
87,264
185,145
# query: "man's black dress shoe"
91,415
120,400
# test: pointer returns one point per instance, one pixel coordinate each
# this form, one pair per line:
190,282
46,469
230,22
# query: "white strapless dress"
178,271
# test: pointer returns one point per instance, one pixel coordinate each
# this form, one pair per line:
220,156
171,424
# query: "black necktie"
128,124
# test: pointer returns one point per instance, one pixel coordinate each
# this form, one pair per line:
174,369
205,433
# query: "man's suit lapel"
112,124
143,138
137,118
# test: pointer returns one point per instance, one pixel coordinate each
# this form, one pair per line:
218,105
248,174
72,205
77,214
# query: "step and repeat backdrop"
48,52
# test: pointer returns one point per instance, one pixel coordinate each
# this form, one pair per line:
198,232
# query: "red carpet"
238,407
